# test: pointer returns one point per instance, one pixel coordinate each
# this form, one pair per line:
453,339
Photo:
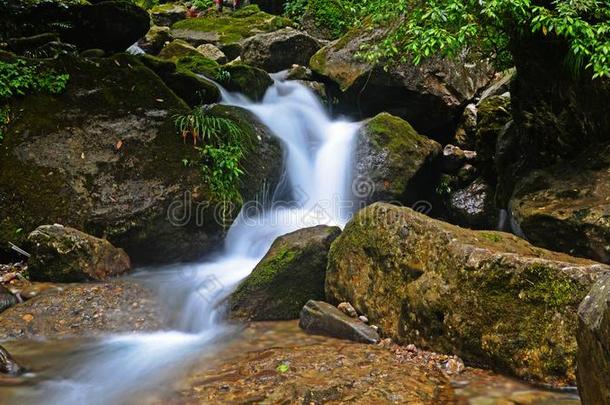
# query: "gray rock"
321,318
279,50
155,39
168,14
7,299
212,52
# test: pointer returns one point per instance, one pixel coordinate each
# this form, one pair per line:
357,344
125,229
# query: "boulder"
430,96
109,25
464,136
474,206
299,72
104,157
178,49
8,365
489,297
392,161
155,39
64,254
493,114
168,14
191,88
279,50
594,345
321,318
318,88
248,80
553,109
566,207
224,29
211,52
291,273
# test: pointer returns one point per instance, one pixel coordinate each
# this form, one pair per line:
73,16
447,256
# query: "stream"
315,186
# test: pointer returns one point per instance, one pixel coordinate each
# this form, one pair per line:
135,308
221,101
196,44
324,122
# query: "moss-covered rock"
279,50
155,39
594,345
168,14
566,206
178,49
393,162
486,296
289,275
104,157
193,89
248,80
430,96
225,29
198,64
64,254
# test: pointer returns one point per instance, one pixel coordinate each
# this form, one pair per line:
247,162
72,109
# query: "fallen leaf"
118,145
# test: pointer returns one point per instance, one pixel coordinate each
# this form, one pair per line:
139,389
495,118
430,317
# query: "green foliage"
224,146
203,4
5,119
294,9
421,29
335,16
18,78
146,4
223,76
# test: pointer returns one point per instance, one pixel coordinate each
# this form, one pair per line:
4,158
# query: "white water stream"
317,160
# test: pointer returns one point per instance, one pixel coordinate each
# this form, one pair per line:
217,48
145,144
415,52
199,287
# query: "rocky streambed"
276,362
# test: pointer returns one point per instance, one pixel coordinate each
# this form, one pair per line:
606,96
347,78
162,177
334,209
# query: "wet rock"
168,14
90,309
430,95
279,50
319,89
594,345
290,274
8,365
474,206
454,158
93,53
64,254
467,174
155,39
7,299
393,162
248,80
59,163
318,317
211,52
500,85
347,309
566,206
298,72
486,296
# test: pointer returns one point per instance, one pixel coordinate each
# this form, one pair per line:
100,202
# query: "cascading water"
317,164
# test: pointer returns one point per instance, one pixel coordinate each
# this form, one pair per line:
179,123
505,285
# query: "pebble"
454,366
411,348
363,319
348,309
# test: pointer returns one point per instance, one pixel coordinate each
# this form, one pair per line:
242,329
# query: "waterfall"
317,162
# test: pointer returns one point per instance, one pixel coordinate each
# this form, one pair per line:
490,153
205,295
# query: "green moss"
249,80
198,64
235,27
178,49
492,237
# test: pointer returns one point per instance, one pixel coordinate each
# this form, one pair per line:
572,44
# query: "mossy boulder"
594,345
430,96
566,207
168,14
228,28
279,50
178,49
289,275
104,157
64,254
248,80
393,162
489,297
198,64
191,88
155,39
